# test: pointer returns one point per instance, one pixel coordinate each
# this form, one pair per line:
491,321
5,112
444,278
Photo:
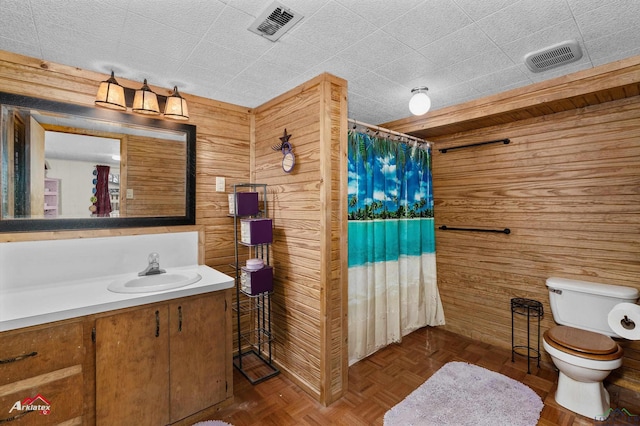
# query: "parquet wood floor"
380,381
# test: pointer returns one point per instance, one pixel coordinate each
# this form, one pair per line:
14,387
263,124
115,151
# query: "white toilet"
581,346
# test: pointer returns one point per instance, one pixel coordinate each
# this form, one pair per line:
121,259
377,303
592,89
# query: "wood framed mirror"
52,152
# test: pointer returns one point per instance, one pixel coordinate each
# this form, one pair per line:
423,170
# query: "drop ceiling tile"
141,64
219,59
480,9
457,46
578,7
379,89
267,73
408,69
18,27
122,4
562,31
20,7
368,51
523,18
614,46
428,22
157,38
337,66
379,12
333,28
250,93
485,63
297,54
508,77
236,97
87,48
165,41
453,95
603,21
202,77
231,31
193,16
256,7
19,47
367,110
617,56
90,17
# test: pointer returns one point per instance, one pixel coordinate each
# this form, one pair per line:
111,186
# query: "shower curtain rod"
390,132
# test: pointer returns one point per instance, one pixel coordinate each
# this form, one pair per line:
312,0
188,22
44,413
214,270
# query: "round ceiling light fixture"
420,102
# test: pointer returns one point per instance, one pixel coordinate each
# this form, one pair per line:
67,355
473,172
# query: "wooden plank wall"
222,146
568,188
155,173
309,305
232,142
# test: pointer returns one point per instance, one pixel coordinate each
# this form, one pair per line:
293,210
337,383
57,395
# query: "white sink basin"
151,283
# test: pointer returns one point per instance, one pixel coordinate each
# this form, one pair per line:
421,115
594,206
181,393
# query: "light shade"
420,102
145,101
111,94
176,106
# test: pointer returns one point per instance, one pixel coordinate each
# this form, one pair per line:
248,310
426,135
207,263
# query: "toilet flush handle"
627,323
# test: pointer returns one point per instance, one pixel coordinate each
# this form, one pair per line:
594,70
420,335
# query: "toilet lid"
583,341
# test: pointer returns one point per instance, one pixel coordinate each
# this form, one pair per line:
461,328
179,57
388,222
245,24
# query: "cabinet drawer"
30,353
61,390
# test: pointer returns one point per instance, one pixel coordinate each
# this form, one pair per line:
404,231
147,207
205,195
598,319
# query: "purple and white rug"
462,394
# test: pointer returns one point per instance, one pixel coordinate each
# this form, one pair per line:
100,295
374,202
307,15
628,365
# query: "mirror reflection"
58,166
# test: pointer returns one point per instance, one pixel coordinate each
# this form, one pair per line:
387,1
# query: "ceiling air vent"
275,21
553,56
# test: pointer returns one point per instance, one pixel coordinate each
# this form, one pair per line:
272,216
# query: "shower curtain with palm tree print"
392,265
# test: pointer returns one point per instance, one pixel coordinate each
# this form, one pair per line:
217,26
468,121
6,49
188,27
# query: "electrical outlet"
129,193
220,184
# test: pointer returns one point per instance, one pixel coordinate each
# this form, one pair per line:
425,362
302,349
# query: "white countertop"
39,305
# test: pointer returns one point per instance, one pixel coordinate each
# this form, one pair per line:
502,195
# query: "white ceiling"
460,49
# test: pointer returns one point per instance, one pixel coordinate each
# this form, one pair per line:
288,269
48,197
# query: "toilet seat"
582,343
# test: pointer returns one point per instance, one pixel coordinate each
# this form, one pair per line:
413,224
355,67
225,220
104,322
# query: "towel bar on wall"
504,141
500,231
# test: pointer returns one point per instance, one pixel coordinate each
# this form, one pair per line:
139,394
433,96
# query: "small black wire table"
531,309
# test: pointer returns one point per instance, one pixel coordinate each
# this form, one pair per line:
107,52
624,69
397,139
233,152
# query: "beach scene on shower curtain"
392,264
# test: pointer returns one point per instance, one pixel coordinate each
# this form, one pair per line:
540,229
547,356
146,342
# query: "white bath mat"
463,394
212,423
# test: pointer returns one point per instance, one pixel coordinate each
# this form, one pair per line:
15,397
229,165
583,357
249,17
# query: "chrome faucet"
154,266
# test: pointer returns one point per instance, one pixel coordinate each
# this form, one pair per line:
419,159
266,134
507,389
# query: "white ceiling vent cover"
553,56
276,20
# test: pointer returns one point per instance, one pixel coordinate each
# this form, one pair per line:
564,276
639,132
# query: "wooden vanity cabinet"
43,364
164,362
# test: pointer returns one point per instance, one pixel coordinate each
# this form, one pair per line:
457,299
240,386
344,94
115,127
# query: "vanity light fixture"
111,94
176,106
420,102
145,101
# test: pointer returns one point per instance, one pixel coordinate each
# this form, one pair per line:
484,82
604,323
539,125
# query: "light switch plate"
129,194
220,184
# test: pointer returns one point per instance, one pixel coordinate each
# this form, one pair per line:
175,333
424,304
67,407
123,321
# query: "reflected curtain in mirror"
103,201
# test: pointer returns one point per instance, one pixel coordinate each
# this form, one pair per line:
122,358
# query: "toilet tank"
585,305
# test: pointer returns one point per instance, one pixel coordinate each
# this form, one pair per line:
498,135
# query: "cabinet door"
198,354
132,368
42,366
